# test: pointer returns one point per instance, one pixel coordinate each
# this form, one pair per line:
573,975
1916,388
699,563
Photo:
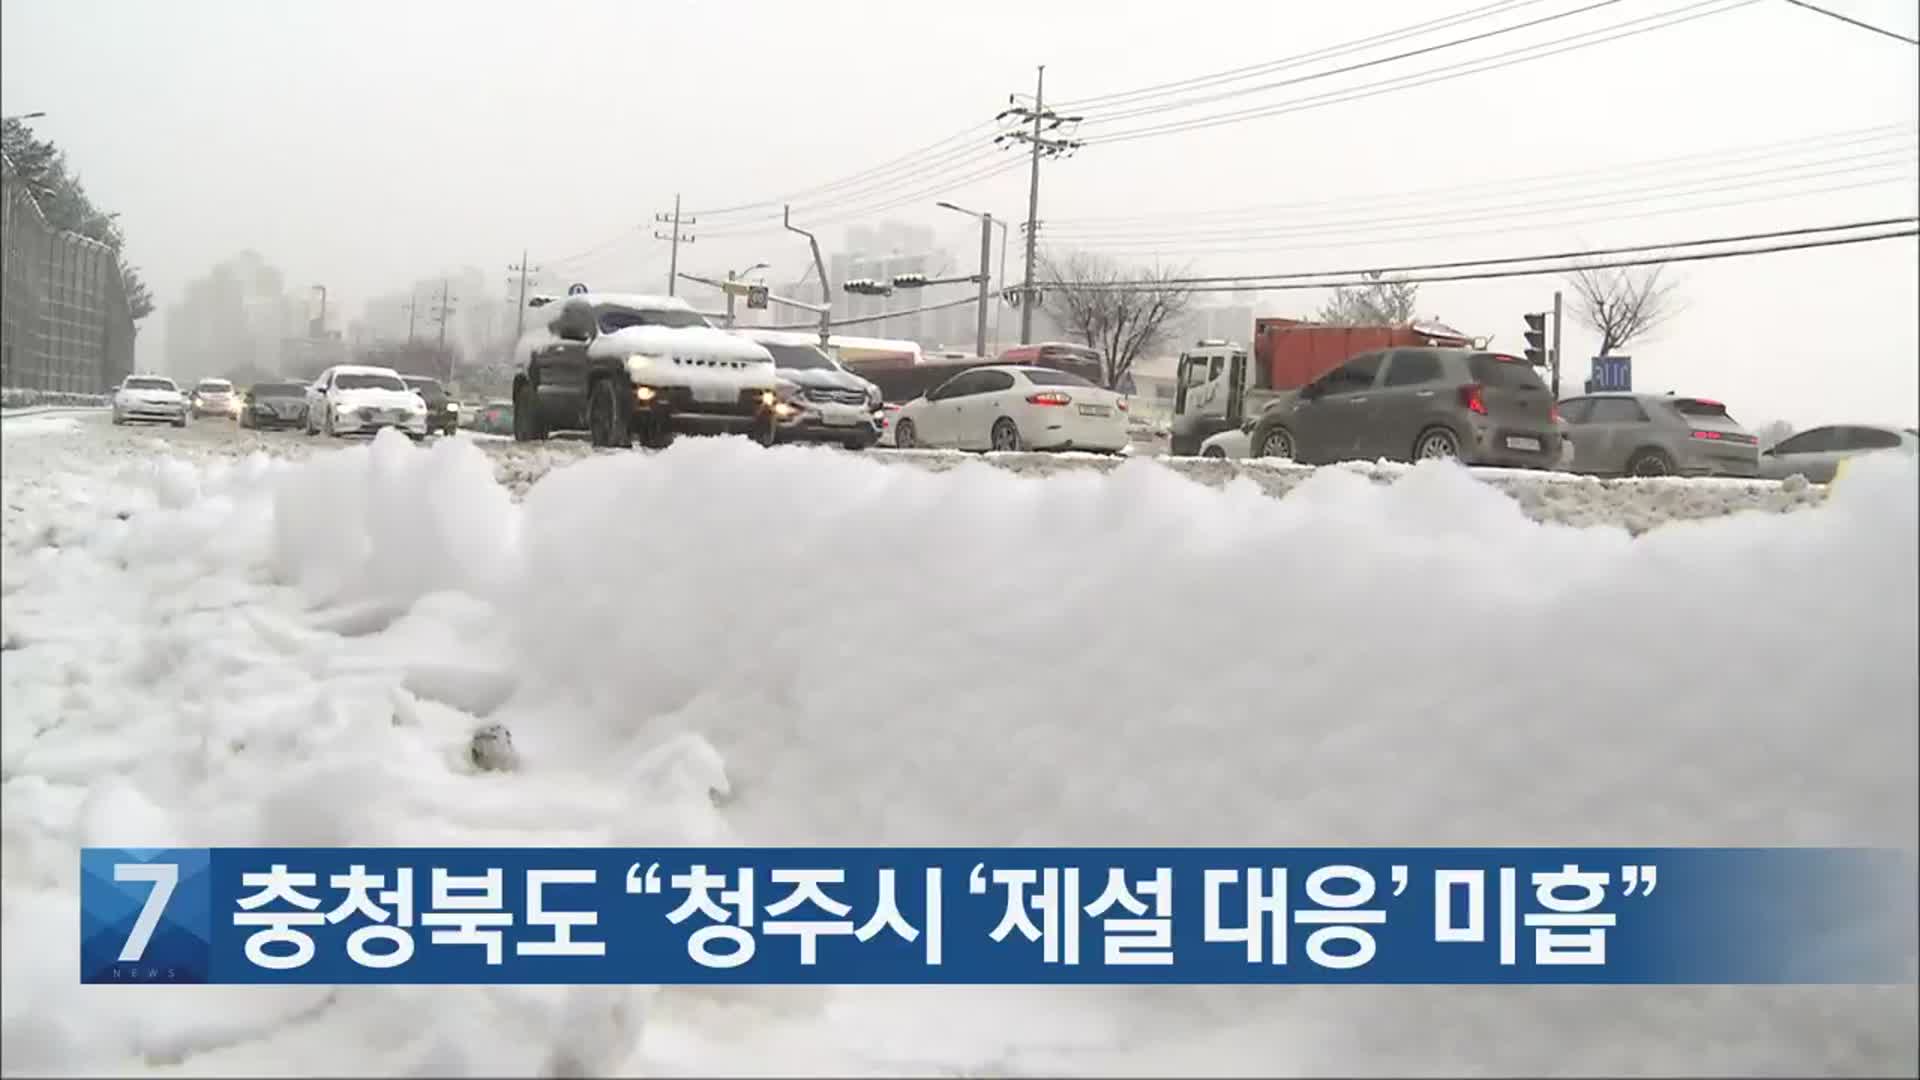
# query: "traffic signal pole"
1556,344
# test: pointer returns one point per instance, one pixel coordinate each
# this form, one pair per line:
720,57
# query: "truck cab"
1209,394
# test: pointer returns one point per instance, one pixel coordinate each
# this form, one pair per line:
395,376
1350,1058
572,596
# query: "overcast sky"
366,144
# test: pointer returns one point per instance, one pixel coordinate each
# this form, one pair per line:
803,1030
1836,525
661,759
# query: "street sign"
577,289
756,298
1612,374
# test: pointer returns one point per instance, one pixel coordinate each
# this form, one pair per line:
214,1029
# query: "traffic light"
867,287
1537,339
909,281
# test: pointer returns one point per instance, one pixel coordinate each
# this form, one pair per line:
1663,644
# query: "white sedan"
1013,407
1233,443
149,397
355,399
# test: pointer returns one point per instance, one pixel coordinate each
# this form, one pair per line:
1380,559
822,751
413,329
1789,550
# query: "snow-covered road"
216,637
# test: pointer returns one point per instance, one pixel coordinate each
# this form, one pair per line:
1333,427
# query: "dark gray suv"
1481,408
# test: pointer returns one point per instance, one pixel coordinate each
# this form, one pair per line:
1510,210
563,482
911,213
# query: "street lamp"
987,221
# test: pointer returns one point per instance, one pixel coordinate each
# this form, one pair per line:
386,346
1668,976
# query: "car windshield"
621,318
212,387
278,390
151,384
799,357
1505,372
367,380
1049,377
429,388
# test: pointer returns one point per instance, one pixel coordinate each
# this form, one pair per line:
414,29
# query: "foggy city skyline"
372,149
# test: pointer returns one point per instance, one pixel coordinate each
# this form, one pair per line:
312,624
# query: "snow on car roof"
364,369
778,337
642,301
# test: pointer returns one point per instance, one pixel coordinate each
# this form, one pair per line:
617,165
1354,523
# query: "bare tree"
1123,323
1383,302
1621,305
1774,432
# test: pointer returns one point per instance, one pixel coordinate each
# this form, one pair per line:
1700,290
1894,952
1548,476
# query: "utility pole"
413,309
520,311
1556,344
1038,145
820,266
676,237
986,265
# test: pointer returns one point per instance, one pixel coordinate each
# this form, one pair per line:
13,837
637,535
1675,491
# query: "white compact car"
149,397
1011,407
355,399
215,397
1232,444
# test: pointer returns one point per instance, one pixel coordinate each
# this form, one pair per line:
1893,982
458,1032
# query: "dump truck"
1219,387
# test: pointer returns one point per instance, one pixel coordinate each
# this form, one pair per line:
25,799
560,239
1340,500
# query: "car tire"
855,445
1273,441
526,417
766,430
903,437
182,422
1650,462
656,432
1437,442
1213,452
1004,436
326,425
118,420
609,422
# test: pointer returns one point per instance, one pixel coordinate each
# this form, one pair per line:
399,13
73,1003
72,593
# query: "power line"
1441,74
1397,236
881,189
1149,110
1498,213
1828,141
1808,230
941,187
1253,70
1538,271
911,158
1855,22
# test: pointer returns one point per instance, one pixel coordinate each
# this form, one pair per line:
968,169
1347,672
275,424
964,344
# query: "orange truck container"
1290,353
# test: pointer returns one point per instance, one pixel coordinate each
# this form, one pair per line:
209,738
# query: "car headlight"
453,407
873,396
640,362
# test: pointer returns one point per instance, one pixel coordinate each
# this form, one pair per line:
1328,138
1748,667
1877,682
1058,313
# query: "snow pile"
19,397
721,643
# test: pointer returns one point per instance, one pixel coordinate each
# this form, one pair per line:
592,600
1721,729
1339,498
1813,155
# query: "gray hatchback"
1408,404
1628,434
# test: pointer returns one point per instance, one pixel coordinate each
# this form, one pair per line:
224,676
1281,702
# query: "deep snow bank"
723,643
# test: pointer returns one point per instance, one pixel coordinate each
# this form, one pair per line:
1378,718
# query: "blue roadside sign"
1612,374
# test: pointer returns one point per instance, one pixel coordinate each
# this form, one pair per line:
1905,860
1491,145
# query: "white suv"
149,397
355,399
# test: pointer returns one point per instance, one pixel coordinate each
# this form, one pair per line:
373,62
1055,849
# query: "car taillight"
1472,398
1553,413
1121,404
1049,397
1714,435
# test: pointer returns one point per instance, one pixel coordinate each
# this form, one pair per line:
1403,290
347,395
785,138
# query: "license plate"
841,416
1523,442
1095,410
714,395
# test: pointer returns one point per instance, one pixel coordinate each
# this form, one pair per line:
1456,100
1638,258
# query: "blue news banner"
1006,916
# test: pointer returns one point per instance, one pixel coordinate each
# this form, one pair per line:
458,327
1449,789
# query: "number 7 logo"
164,876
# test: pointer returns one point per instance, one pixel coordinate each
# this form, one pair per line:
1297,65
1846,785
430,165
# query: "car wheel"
766,430
118,420
1275,442
1650,463
1437,443
326,424
1214,452
1005,435
656,433
182,422
856,445
609,423
903,435
525,418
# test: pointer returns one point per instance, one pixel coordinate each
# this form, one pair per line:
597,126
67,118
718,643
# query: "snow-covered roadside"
236,651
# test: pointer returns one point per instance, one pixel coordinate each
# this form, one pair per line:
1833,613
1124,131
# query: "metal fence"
64,320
